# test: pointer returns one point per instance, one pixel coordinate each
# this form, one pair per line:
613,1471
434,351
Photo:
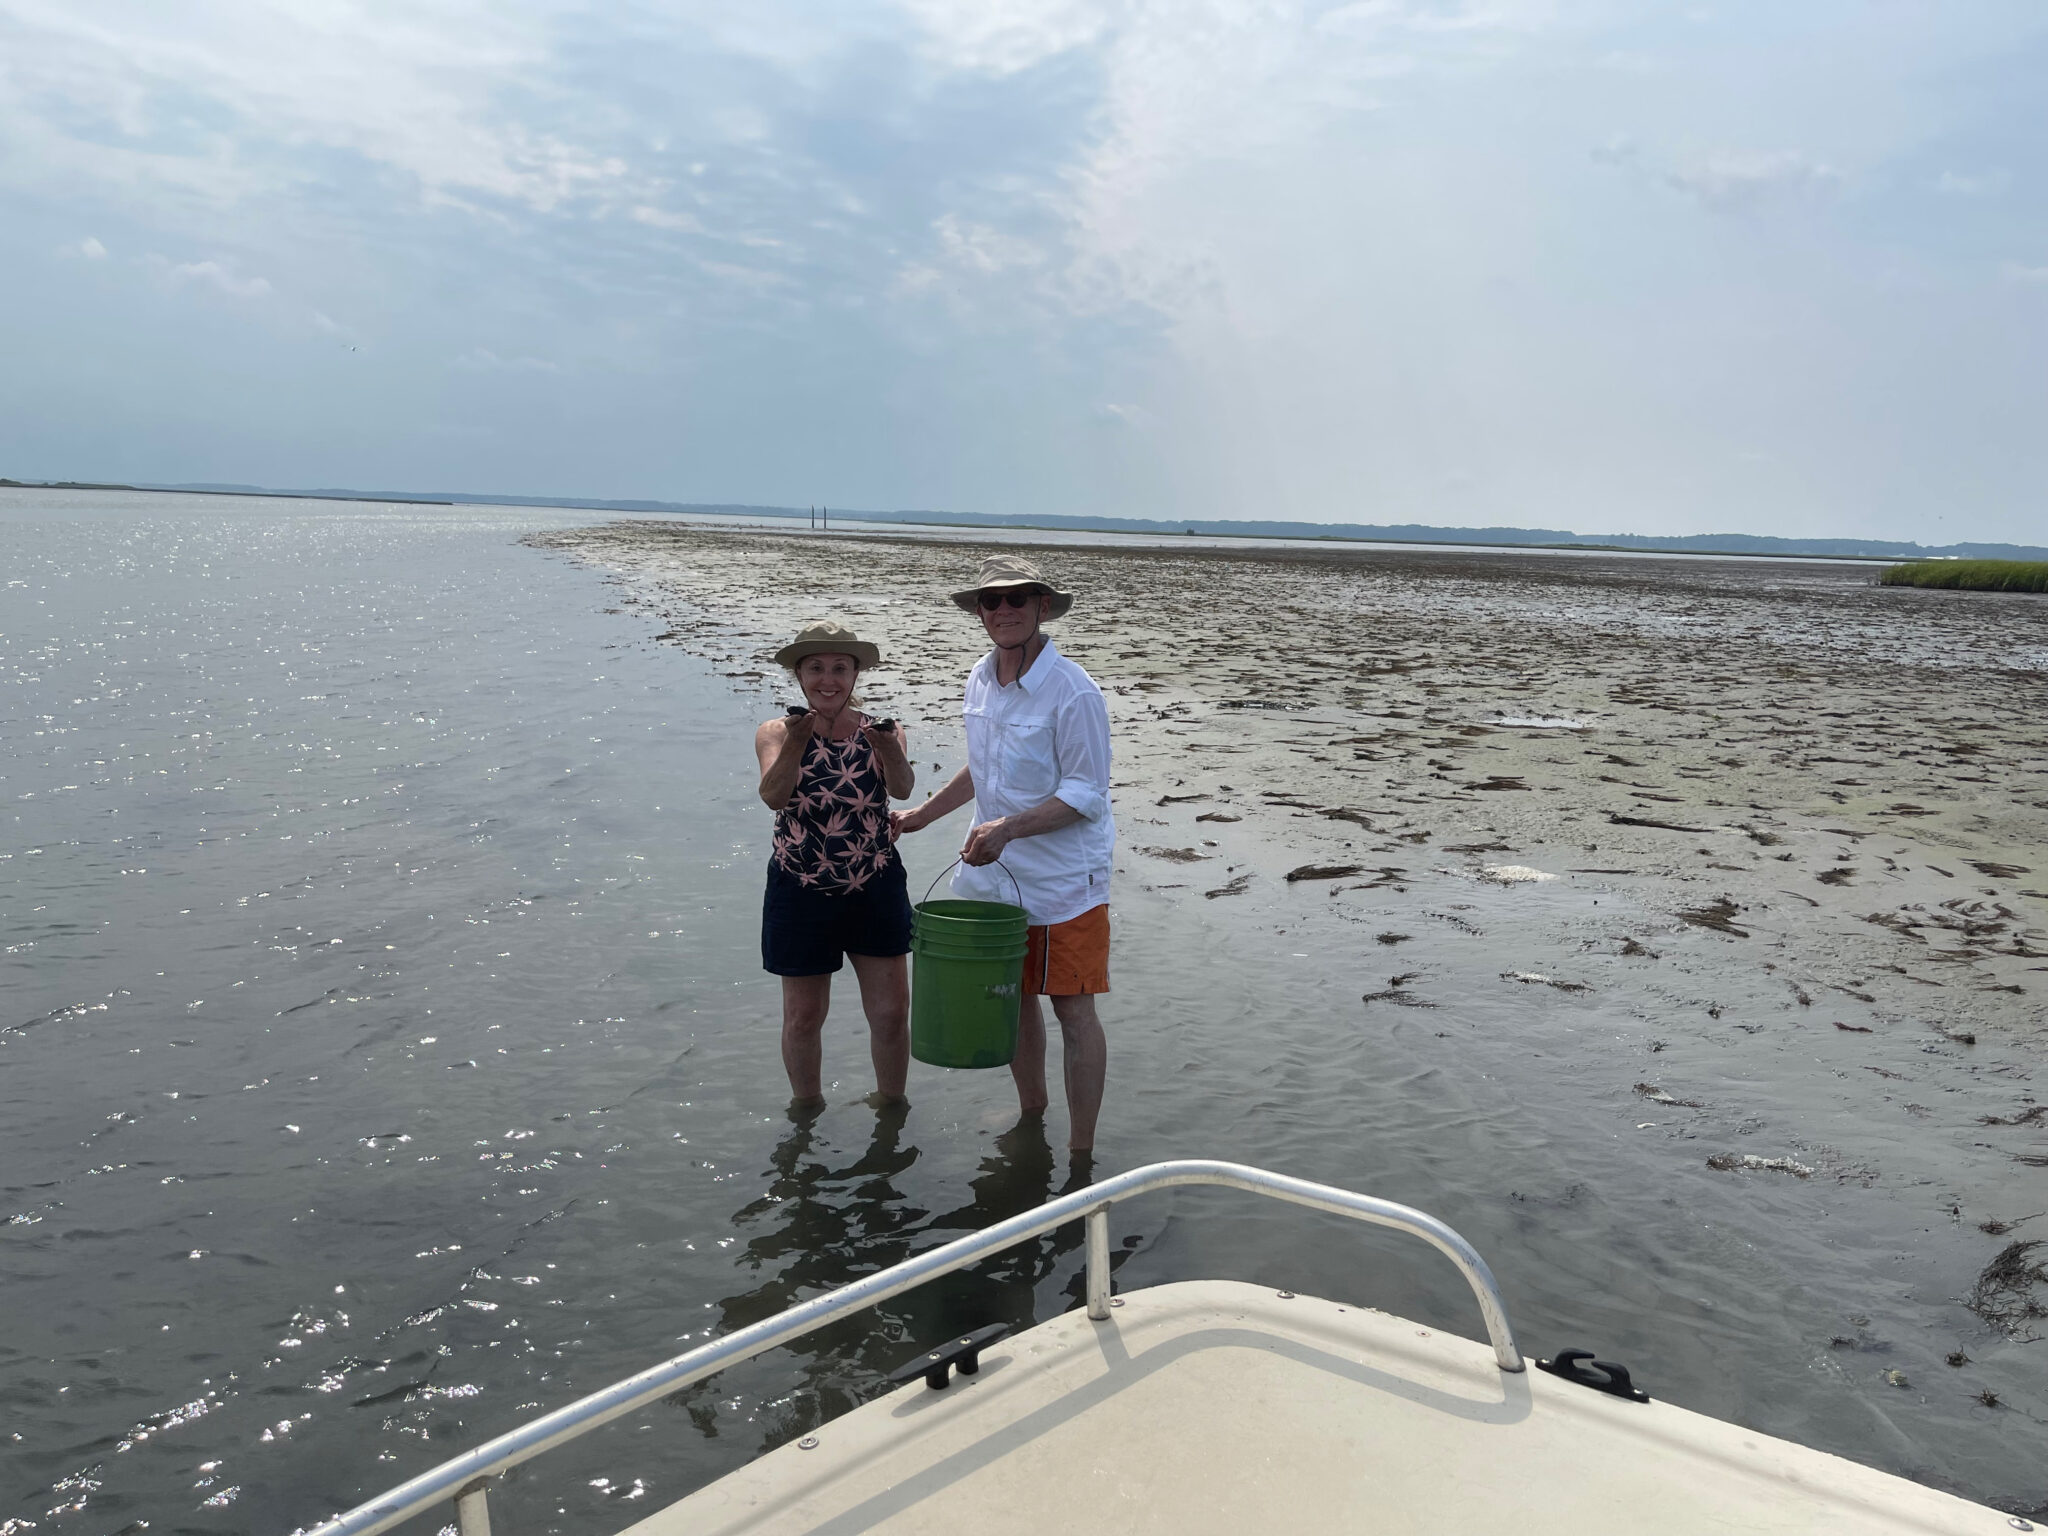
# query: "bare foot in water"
1080,1169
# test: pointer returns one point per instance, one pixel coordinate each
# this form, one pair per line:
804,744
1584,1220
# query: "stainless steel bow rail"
465,1479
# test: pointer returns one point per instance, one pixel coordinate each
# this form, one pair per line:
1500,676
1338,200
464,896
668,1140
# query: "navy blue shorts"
807,933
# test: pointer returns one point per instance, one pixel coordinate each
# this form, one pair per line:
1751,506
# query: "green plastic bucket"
966,981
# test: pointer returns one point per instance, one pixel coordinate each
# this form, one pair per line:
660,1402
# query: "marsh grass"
1972,575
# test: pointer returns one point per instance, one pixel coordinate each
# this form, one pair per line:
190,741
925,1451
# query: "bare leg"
885,998
1086,1063
804,1001
1027,1067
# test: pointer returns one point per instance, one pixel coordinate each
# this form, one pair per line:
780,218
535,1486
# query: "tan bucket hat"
828,637
999,571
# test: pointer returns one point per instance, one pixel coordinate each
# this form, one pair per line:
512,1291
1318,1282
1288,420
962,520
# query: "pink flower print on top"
834,833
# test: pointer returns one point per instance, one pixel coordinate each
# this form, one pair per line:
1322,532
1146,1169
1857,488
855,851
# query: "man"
1038,772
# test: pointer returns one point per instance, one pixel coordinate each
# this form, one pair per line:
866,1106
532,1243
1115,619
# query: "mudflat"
1726,879
1851,778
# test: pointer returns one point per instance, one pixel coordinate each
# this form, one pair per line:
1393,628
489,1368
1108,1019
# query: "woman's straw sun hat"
999,571
828,637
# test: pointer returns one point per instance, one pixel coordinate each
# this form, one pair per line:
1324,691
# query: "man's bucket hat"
828,637
999,571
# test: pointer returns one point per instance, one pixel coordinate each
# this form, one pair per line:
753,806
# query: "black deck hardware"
1605,1375
964,1352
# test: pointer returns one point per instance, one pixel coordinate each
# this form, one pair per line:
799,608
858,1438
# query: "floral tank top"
833,835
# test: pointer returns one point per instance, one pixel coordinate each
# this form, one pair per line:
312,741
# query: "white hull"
1213,1406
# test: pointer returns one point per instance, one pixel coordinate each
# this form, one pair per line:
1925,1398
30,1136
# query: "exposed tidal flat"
385,1057
1690,919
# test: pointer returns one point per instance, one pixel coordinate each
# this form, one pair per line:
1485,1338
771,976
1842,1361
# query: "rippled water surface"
385,1058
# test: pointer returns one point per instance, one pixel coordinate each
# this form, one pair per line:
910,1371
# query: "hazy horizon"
1525,263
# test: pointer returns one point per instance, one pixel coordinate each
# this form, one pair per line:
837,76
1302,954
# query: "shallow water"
385,1058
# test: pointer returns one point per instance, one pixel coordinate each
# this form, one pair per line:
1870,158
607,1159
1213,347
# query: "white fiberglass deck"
1212,1406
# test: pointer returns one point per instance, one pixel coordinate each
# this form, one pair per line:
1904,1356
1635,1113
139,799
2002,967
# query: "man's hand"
985,844
958,791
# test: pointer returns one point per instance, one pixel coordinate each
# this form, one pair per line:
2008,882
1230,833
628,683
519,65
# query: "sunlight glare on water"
386,1060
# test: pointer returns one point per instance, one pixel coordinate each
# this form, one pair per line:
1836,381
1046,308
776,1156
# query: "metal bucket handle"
999,864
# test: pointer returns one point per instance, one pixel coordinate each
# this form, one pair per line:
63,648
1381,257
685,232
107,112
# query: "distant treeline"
1971,575
1425,533
1245,528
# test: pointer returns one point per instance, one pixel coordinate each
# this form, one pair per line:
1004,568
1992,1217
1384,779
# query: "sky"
1654,268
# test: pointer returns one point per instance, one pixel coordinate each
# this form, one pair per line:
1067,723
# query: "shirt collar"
1040,669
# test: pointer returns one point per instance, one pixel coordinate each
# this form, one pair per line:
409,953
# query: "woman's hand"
891,749
901,822
779,746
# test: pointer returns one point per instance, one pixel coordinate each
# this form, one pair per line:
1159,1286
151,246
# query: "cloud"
216,100
1002,37
917,277
1209,100
1728,179
1316,252
982,248
87,249
218,276
1115,414
484,360
662,218
1621,152
1972,184
1736,179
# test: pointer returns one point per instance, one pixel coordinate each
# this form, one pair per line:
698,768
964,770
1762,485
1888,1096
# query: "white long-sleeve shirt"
1044,737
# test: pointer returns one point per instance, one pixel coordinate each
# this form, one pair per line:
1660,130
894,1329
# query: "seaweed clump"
1971,575
1718,916
2004,1294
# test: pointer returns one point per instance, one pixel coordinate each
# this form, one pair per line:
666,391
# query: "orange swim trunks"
1067,959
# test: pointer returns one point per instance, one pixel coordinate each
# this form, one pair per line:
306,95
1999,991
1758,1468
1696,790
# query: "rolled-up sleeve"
1081,744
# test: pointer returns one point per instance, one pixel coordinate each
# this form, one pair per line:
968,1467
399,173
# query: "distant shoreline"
193,490
1421,536
1490,546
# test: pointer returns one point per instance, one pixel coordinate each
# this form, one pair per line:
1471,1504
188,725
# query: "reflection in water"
822,1223
339,833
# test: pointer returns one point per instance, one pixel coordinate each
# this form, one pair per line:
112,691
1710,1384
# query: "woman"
835,883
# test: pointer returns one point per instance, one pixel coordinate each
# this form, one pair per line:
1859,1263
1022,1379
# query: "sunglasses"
989,602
